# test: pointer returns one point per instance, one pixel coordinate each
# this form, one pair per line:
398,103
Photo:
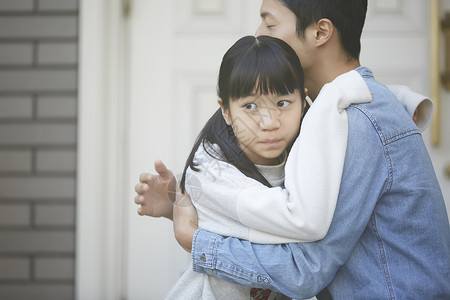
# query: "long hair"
265,64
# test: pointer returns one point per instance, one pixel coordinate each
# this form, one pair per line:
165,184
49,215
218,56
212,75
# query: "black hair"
348,16
265,64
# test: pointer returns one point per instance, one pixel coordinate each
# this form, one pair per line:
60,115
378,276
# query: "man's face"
280,22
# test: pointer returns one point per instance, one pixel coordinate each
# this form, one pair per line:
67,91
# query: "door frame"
101,150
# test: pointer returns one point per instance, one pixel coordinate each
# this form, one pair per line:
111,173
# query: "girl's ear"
225,112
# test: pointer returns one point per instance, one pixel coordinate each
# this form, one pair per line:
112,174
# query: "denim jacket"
389,237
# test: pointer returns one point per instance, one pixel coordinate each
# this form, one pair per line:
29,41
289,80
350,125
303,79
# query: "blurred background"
92,92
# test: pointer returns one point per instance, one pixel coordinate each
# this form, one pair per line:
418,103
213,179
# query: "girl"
244,147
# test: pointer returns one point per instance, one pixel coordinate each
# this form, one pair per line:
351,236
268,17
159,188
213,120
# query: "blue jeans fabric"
390,234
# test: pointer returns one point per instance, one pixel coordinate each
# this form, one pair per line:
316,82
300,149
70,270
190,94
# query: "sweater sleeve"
215,186
304,210
413,101
214,192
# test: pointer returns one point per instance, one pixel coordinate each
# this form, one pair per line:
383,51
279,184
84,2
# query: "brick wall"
38,100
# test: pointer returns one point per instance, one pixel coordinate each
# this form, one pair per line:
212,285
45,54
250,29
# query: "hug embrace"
336,198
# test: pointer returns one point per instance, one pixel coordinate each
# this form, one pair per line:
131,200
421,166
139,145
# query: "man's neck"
317,77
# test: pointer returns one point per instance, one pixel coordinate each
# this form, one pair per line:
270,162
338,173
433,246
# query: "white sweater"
304,209
212,183
413,101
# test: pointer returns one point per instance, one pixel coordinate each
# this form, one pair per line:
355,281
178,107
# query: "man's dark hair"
348,16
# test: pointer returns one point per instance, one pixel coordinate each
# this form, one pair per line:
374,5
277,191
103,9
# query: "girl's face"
265,125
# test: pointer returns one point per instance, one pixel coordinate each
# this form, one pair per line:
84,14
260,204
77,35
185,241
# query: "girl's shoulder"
208,151
212,169
209,159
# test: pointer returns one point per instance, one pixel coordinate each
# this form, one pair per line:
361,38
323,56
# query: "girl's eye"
283,103
250,106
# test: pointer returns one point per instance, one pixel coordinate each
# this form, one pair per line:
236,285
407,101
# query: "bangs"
262,65
265,72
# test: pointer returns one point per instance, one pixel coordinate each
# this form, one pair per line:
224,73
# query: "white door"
175,50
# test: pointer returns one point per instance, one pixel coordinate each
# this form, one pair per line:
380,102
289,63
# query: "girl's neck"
279,161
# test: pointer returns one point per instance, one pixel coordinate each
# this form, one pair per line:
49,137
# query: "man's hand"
154,192
185,221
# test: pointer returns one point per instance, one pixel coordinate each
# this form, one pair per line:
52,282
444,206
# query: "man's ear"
324,30
225,112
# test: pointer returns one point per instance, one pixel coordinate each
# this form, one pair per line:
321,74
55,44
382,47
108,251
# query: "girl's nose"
269,119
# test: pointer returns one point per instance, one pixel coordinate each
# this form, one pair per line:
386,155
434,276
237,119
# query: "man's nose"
259,30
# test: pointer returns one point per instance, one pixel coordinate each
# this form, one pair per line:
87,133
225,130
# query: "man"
390,236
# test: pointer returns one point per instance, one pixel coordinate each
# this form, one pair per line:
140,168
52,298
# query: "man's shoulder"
385,114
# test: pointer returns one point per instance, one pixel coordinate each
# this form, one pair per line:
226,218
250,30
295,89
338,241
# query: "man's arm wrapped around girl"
304,209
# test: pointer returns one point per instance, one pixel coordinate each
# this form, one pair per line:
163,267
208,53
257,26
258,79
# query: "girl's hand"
154,192
185,221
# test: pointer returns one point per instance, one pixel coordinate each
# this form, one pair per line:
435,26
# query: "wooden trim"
435,77
101,152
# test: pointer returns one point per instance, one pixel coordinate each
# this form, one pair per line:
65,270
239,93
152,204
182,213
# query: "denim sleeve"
302,270
278,267
237,261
